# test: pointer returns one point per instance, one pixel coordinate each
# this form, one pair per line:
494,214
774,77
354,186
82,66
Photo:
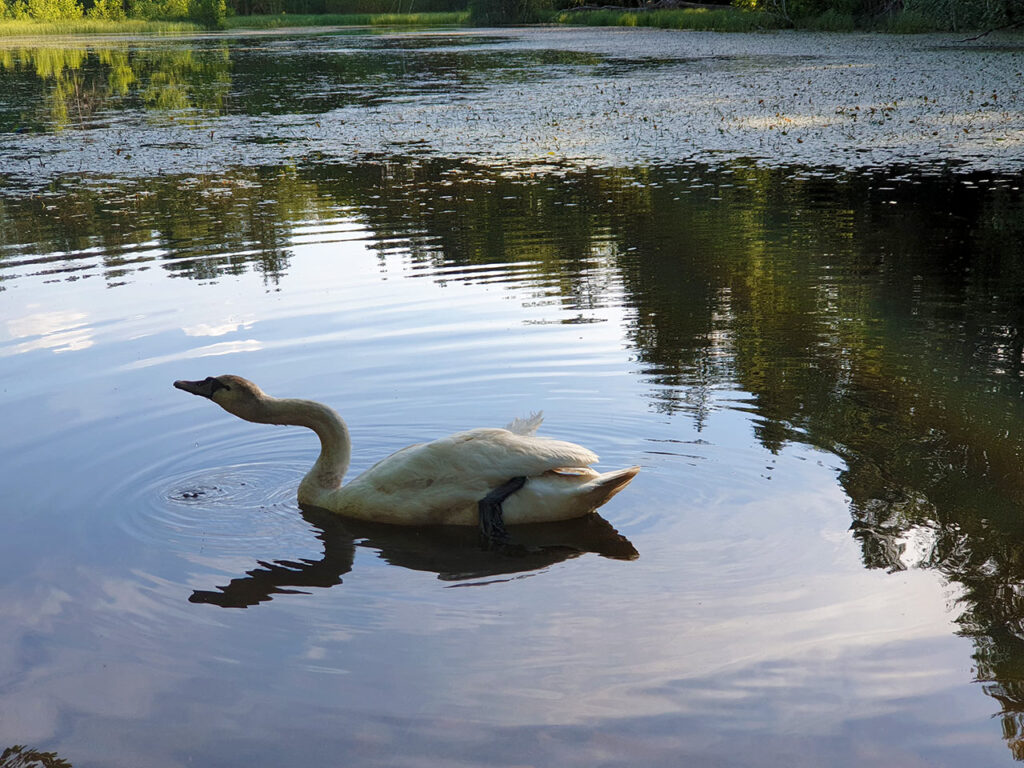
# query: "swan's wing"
527,426
501,453
470,464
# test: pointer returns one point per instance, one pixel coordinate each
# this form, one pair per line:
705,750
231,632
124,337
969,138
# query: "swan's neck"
335,444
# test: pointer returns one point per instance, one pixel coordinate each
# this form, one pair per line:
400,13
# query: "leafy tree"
499,12
163,10
908,15
210,13
109,10
966,14
53,10
13,9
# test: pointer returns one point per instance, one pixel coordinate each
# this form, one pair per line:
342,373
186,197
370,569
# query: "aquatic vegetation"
803,99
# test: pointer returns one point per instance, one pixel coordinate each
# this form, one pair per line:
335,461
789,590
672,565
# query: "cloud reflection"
210,350
228,325
58,331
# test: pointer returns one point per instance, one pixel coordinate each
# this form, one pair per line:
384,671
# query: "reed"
87,26
348,20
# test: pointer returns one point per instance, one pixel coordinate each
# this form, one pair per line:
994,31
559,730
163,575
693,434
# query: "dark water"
819,368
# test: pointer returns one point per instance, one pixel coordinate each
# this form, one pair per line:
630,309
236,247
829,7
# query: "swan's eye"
215,384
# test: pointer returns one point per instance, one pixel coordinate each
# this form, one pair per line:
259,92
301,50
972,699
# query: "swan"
485,477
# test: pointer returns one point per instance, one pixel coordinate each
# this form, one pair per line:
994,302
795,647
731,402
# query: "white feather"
527,426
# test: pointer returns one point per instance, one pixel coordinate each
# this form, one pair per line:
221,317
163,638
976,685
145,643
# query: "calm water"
819,367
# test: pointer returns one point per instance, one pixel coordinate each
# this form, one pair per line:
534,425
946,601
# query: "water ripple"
213,498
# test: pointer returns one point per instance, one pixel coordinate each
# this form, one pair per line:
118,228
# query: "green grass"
348,20
86,26
723,20
28,28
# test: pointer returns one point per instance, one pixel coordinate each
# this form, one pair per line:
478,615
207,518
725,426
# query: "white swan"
480,476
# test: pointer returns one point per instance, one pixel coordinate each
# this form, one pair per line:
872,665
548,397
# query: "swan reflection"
454,553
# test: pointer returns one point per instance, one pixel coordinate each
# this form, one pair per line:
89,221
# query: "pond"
784,274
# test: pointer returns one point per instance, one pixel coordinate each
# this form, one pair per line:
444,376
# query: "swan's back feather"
464,467
492,454
527,426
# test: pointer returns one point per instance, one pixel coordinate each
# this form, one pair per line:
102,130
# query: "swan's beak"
204,388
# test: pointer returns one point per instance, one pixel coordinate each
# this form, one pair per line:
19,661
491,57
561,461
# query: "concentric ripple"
229,506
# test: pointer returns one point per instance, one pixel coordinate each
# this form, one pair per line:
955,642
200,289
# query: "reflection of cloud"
61,331
210,350
228,325
767,615
29,611
225,348
72,674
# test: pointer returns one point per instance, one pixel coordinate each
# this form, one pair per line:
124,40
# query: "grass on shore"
29,28
86,26
348,20
720,20
723,20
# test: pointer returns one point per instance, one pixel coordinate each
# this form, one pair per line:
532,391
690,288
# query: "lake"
784,273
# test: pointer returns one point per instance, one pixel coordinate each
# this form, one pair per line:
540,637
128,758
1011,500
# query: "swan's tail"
604,486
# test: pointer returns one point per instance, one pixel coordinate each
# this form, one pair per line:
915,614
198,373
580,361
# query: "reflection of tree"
672,273
316,80
51,88
74,87
877,329
20,756
857,315
892,337
178,80
199,227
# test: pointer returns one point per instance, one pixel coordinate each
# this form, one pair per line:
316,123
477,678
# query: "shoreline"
690,18
601,97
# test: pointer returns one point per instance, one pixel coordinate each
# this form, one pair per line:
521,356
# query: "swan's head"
234,394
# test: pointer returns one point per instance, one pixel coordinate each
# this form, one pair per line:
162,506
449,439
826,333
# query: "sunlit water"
819,370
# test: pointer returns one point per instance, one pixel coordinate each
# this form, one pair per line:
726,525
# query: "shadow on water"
454,553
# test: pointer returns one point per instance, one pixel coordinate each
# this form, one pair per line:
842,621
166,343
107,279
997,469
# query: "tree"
499,12
210,13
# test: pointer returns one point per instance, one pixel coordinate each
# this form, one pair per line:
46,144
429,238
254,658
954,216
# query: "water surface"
818,366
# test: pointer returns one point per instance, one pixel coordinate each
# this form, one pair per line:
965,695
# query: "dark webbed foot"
492,524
